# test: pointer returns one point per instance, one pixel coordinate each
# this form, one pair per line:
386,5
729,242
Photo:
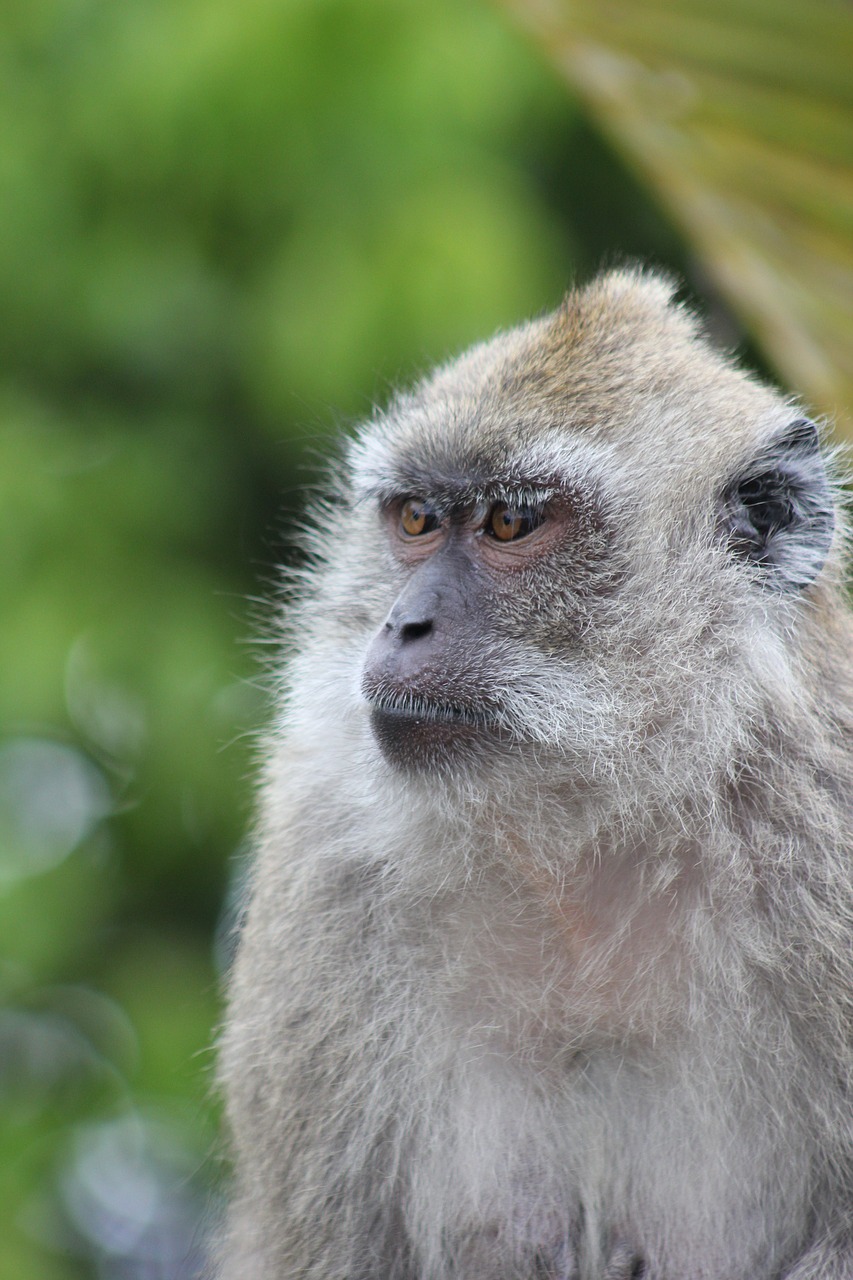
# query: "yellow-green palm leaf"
740,114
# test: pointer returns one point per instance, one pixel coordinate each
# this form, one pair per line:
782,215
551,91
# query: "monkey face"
427,675
494,575
567,540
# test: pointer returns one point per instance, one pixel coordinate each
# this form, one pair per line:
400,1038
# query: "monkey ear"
779,511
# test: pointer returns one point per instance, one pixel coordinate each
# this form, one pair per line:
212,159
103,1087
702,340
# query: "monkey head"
582,540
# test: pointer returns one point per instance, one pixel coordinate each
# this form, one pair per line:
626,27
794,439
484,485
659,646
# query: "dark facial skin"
426,674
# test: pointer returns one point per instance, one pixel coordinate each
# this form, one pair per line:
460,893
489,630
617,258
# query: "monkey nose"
407,630
412,617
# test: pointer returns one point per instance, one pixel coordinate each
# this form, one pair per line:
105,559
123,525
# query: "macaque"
546,971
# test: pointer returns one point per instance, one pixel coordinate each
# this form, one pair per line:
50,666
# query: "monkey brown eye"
416,518
509,523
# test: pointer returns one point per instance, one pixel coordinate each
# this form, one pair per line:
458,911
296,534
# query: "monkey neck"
580,944
595,921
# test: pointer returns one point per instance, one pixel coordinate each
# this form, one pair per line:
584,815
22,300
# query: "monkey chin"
423,738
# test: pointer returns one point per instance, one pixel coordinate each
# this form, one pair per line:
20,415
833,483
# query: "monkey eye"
417,518
507,523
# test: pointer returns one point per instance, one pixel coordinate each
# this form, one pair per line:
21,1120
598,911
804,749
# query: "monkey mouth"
416,734
409,707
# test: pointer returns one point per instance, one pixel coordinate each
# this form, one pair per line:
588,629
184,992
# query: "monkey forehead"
462,468
619,374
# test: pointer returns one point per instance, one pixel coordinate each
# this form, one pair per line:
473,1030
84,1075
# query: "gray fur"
577,1007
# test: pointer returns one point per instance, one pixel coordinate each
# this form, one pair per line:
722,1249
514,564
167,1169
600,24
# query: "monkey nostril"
415,630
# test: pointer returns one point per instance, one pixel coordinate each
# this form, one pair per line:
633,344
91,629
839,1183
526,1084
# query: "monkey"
546,968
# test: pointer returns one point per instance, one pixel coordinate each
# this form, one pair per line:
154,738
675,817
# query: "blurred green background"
225,231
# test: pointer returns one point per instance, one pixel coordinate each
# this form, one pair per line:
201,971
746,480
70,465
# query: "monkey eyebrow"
451,498
520,494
